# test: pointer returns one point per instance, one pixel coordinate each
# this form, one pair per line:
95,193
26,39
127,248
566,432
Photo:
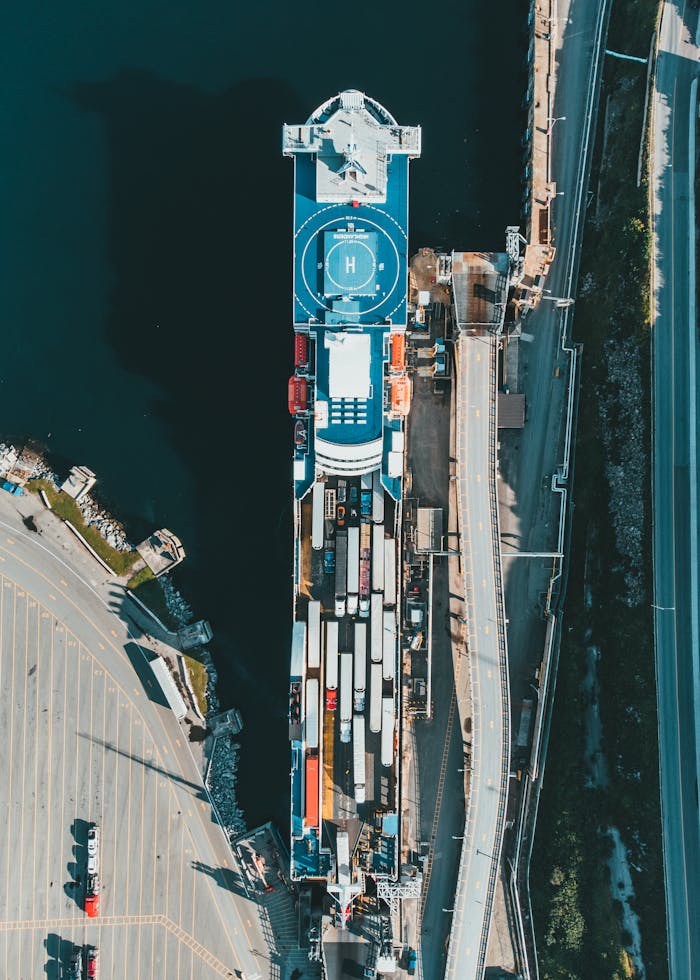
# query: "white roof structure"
349,358
353,138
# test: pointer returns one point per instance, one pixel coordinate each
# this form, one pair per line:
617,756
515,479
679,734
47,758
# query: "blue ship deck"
350,262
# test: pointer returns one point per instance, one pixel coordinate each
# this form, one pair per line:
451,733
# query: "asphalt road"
675,471
85,737
487,659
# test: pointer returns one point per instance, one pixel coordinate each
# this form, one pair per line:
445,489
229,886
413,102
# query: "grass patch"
66,508
143,575
578,925
199,677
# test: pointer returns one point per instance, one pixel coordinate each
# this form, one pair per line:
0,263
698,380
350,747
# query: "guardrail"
560,484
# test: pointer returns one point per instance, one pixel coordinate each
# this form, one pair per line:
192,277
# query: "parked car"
340,515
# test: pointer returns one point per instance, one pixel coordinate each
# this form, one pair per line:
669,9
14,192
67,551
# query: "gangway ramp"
476,449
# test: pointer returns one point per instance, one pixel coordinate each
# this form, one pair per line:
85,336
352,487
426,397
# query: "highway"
488,667
85,737
675,477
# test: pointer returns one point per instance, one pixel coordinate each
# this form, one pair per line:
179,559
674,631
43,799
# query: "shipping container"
375,698
313,641
311,791
389,572
389,646
365,555
345,695
378,558
358,757
341,567
353,560
360,667
331,665
311,714
377,498
387,731
317,505
376,625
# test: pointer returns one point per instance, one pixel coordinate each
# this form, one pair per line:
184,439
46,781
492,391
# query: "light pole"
560,301
551,121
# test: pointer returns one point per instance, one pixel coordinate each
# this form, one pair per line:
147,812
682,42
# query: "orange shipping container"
311,810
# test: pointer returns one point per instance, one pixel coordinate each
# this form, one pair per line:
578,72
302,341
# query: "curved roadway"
84,738
675,472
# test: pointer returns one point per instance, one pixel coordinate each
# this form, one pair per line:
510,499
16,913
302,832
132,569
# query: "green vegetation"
199,677
66,508
138,578
578,924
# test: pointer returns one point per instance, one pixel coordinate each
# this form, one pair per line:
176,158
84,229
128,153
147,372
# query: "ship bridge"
350,283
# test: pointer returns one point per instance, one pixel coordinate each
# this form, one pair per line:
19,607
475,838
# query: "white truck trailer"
389,645
387,731
377,498
360,667
376,620
389,572
345,696
317,514
377,557
313,636
311,714
375,698
358,757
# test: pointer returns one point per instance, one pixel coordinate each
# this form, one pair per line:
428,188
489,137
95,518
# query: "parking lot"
86,737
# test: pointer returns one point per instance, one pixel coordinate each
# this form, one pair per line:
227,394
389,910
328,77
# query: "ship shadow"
200,307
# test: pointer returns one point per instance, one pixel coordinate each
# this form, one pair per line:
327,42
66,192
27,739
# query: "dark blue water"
145,263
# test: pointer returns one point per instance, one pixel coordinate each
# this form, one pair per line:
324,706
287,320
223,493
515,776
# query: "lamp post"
551,121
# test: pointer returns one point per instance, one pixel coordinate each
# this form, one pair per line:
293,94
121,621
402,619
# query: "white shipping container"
317,507
389,572
353,560
378,558
376,620
313,643
375,698
331,655
358,757
387,731
311,714
346,687
389,646
377,498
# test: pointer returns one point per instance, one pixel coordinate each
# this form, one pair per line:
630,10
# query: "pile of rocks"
178,608
104,524
221,782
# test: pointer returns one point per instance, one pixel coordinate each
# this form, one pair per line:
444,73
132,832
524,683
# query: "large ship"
349,395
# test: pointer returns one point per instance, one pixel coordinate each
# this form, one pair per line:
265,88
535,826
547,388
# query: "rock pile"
221,781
